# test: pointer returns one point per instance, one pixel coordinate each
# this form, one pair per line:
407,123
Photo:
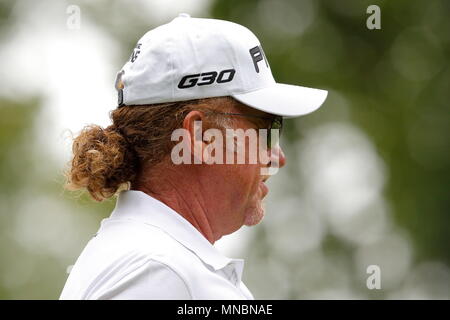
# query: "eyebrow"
260,122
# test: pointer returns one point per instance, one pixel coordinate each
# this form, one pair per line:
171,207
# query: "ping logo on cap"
257,54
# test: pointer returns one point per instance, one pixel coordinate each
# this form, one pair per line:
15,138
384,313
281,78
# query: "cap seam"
235,58
171,66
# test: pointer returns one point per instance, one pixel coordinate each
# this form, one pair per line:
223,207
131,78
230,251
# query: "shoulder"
131,261
140,240
153,279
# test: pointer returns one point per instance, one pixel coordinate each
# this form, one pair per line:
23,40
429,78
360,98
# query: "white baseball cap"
193,58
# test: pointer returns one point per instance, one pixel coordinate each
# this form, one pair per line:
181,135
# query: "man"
158,241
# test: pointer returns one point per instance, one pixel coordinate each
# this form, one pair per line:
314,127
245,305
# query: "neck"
181,191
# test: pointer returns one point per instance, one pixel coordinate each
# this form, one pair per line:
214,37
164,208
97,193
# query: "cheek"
241,180
249,180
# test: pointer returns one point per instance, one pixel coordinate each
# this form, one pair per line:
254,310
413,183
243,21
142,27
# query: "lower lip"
264,188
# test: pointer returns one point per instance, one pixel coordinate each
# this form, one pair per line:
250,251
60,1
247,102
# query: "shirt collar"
137,205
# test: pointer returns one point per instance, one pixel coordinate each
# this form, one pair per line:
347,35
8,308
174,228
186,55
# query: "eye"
256,123
264,123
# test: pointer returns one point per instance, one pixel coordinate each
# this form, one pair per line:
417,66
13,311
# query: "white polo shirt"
146,250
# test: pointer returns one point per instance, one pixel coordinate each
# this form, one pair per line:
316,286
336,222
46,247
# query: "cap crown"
192,58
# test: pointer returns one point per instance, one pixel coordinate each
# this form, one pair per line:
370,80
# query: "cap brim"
284,99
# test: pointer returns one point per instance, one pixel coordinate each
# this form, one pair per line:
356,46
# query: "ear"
193,124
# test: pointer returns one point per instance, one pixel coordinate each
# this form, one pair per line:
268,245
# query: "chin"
254,215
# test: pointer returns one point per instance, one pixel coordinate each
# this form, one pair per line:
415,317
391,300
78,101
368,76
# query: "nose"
277,157
281,157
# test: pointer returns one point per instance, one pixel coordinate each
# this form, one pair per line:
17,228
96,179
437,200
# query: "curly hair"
108,160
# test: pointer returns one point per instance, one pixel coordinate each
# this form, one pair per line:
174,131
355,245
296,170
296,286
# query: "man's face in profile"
241,186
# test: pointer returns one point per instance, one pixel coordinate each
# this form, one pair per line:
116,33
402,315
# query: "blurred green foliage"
396,81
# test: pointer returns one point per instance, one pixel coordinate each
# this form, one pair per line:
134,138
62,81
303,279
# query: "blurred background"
367,177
